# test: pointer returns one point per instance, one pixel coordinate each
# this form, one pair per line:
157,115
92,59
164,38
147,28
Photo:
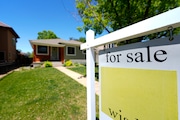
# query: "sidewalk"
78,77
3,75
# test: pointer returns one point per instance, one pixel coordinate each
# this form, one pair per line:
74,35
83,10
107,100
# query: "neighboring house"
102,47
8,40
57,50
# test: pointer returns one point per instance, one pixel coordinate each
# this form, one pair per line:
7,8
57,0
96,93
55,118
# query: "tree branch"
117,15
129,12
147,9
98,19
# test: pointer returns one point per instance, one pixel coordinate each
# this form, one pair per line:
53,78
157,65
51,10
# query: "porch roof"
54,42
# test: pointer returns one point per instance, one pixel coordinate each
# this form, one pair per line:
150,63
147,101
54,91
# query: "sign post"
147,54
90,75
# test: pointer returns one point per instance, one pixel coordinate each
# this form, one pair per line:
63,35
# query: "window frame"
37,50
70,54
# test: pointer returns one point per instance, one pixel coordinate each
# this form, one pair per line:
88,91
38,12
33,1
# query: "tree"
29,54
82,39
46,35
111,15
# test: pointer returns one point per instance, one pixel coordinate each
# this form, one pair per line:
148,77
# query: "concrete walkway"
78,77
3,75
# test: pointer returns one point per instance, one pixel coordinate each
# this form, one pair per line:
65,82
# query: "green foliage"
30,54
48,64
81,69
68,63
111,15
77,64
82,39
46,35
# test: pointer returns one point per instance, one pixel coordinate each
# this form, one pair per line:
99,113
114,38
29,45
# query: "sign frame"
152,25
117,58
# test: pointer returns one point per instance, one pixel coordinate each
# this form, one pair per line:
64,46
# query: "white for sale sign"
140,81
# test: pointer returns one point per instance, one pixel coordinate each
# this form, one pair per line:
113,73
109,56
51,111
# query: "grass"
82,70
79,69
41,94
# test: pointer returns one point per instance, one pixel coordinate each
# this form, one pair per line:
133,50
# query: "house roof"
10,28
55,42
3,25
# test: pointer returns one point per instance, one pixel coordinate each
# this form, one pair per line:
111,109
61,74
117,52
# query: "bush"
76,64
48,64
68,63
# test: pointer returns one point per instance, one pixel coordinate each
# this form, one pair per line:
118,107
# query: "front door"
54,53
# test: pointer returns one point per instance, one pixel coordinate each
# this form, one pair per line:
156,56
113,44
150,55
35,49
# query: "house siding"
79,55
61,54
4,42
11,48
39,58
7,45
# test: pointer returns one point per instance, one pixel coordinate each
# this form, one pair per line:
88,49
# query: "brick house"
57,50
8,40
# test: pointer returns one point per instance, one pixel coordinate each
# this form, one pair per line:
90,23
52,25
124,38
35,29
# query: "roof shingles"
10,28
55,42
4,25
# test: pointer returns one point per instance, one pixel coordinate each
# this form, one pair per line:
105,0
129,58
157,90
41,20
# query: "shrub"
76,64
48,64
68,63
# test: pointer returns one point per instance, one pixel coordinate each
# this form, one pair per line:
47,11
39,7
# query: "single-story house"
8,40
57,50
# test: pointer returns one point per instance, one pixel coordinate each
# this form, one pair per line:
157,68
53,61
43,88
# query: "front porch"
48,53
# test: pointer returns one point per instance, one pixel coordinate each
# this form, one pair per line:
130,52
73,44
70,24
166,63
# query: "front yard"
82,70
41,94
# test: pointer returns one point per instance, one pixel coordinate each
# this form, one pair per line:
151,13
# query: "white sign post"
152,25
90,75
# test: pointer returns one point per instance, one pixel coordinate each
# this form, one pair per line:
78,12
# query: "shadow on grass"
96,76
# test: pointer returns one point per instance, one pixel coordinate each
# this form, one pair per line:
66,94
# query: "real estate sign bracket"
155,24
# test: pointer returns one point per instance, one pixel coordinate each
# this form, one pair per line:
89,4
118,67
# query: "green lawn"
82,70
79,69
41,94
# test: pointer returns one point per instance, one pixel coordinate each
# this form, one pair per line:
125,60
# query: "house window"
14,41
111,45
42,50
71,51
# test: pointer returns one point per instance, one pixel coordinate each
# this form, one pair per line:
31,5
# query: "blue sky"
28,17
